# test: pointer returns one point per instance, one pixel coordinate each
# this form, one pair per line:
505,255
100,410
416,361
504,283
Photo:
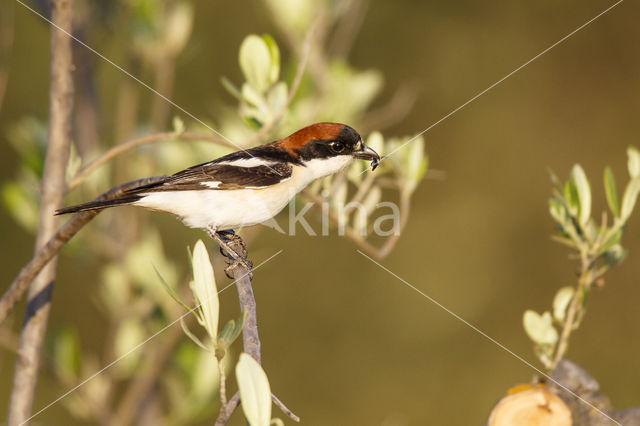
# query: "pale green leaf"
633,163
571,196
177,124
255,392
231,88
177,26
232,330
274,54
611,191
170,290
613,237
66,353
253,97
277,97
204,289
416,161
128,336
557,211
584,194
375,141
255,62
295,15
614,255
629,198
540,328
561,301
22,204
192,336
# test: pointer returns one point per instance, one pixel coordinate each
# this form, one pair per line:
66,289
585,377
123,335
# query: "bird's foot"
232,246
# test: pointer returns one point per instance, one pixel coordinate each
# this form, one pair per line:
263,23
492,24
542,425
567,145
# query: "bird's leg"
233,247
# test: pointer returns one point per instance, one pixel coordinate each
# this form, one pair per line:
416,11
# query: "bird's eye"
337,146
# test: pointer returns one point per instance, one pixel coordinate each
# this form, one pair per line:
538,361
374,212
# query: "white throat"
321,167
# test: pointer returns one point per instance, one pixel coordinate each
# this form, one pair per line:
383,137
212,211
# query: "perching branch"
53,189
240,268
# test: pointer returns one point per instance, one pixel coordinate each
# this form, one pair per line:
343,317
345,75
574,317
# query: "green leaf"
177,124
633,163
128,336
204,290
171,291
255,391
540,328
375,141
277,97
274,54
629,198
557,211
233,329
416,165
611,191
66,353
615,255
584,194
612,239
255,62
561,301
252,123
192,336
571,197
21,203
231,88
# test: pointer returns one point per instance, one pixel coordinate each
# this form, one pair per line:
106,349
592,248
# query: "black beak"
366,153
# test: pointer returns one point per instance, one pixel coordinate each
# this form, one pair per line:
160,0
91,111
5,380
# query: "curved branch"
135,142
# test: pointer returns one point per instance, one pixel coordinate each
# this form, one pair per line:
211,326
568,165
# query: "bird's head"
330,146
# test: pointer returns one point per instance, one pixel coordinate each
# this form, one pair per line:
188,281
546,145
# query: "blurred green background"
344,342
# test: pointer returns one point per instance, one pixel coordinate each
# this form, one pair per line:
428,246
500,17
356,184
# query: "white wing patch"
247,162
211,184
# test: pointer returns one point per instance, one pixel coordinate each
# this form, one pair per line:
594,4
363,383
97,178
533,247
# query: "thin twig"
347,29
284,408
569,324
390,113
53,246
223,385
135,142
231,406
53,187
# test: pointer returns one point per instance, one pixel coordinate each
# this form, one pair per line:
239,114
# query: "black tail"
99,204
